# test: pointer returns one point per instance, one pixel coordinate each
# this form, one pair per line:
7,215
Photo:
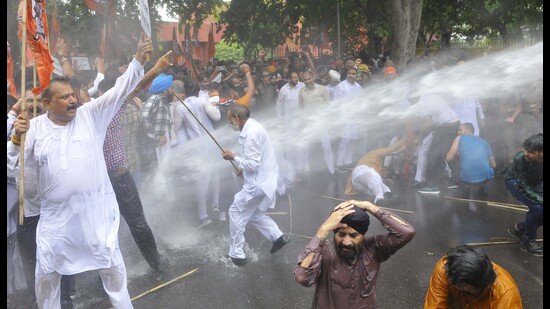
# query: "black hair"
191,89
106,84
47,94
467,265
213,86
533,143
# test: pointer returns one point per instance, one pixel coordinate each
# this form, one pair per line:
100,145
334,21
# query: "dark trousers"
443,137
26,238
534,217
129,204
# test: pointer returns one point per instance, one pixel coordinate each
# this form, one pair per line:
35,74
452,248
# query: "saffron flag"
211,44
11,81
37,42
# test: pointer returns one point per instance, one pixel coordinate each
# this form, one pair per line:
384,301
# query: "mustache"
72,106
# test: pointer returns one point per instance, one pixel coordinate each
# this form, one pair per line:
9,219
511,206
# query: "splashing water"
375,110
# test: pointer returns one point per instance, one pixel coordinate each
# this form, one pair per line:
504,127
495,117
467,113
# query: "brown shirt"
339,285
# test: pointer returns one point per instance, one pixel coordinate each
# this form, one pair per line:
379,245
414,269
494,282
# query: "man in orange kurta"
462,279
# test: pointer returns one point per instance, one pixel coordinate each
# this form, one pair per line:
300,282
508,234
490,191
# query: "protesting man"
345,268
79,215
524,179
258,166
466,278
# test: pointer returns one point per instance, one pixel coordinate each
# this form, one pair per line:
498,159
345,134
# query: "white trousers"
240,213
48,287
422,158
207,183
366,180
327,150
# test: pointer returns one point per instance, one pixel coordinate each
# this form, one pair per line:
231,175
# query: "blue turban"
161,83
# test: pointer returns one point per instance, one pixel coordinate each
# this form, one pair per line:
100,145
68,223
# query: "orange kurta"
503,294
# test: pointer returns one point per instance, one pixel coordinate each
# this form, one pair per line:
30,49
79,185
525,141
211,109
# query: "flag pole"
205,129
22,110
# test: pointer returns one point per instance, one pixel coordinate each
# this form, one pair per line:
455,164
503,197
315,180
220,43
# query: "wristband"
15,141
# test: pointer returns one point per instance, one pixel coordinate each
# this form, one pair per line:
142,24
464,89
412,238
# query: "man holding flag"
79,216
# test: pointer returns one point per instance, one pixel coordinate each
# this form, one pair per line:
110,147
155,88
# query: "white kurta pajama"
349,132
79,215
260,173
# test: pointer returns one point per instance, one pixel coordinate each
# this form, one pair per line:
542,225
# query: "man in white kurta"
349,132
259,169
79,216
207,184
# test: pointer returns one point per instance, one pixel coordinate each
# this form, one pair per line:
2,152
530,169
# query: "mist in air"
169,197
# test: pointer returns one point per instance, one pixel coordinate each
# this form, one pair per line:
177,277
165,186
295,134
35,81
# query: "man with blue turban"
156,119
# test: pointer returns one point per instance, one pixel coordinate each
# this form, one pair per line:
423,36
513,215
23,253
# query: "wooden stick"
290,210
164,284
22,110
488,204
341,200
205,129
275,213
497,203
492,243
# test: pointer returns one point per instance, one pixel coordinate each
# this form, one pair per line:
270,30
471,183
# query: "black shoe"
204,222
162,267
450,183
238,262
514,231
279,243
419,184
532,247
215,213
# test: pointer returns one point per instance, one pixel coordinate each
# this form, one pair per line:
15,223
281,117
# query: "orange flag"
11,81
37,41
211,46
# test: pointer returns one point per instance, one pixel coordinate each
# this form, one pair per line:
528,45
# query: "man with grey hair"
258,167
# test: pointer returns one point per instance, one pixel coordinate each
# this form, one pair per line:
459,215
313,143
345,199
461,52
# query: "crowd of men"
119,124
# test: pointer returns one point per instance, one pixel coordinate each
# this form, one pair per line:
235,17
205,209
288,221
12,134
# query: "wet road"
201,277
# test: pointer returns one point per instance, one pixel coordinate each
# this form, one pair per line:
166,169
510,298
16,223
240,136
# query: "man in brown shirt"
345,268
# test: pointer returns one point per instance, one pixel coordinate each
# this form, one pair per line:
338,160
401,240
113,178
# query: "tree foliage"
364,25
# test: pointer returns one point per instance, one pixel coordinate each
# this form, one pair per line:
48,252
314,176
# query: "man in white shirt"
258,166
349,133
79,216
289,111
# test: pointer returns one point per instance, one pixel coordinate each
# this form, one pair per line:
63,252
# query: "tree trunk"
405,22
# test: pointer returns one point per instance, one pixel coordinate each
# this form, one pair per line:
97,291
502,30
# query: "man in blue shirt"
477,161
